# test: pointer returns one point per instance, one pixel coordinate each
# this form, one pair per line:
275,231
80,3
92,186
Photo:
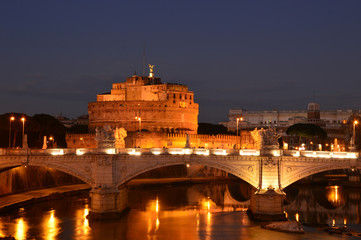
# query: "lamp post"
11,119
22,139
353,148
238,119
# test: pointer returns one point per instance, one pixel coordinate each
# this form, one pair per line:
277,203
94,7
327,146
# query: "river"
186,211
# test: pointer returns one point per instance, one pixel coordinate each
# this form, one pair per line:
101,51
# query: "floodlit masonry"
145,103
168,140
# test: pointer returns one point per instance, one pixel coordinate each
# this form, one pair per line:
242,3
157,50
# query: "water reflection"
335,195
82,228
153,219
21,228
197,212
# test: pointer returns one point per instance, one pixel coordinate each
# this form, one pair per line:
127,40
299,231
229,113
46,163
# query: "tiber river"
194,211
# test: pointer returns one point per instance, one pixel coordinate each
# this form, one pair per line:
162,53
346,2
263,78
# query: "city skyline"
56,57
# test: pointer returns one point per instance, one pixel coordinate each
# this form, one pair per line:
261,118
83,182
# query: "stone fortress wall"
168,140
146,103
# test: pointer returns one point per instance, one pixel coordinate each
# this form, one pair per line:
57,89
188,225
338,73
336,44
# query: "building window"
173,95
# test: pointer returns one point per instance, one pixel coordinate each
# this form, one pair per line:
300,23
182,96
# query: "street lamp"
23,120
238,119
353,148
52,141
140,123
11,119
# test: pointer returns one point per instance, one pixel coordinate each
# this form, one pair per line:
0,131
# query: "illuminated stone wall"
80,141
168,140
161,107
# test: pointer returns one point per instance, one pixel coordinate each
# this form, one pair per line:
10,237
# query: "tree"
306,130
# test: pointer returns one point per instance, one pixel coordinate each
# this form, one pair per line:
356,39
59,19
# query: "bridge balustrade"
177,151
320,154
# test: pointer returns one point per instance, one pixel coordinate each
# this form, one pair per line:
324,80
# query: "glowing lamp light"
276,153
134,152
187,151
156,151
110,151
58,152
204,152
175,151
296,154
220,152
79,152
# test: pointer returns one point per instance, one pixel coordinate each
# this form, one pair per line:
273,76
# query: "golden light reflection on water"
153,217
1,228
21,228
335,195
50,226
82,224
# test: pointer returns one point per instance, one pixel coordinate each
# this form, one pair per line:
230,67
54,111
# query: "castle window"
180,96
173,95
185,96
173,101
190,97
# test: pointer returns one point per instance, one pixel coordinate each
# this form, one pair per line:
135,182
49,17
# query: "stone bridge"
107,170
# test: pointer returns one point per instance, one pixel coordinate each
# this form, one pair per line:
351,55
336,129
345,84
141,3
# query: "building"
146,104
280,118
335,123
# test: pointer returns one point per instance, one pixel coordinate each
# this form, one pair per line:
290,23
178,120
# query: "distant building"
281,118
145,103
334,122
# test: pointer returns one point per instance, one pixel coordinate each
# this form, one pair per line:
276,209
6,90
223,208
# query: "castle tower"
145,103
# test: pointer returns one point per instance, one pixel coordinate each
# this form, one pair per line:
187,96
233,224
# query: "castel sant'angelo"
146,103
154,115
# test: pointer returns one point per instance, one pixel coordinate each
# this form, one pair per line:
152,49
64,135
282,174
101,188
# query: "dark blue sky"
55,56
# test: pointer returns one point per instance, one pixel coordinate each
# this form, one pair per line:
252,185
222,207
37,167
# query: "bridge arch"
308,170
247,172
56,166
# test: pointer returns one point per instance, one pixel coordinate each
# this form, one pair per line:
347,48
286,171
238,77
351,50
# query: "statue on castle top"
151,68
266,138
151,73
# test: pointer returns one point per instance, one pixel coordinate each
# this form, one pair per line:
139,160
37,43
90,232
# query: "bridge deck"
176,151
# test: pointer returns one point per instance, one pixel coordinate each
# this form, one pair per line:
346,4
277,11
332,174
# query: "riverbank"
11,201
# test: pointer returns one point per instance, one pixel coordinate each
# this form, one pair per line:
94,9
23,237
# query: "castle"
146,104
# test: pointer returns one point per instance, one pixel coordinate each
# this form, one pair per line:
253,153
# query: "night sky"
56,56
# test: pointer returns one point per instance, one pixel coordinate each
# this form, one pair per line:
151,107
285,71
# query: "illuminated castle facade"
145,103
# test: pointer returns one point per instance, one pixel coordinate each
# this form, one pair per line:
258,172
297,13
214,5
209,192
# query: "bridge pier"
267,205
267,202
108,202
